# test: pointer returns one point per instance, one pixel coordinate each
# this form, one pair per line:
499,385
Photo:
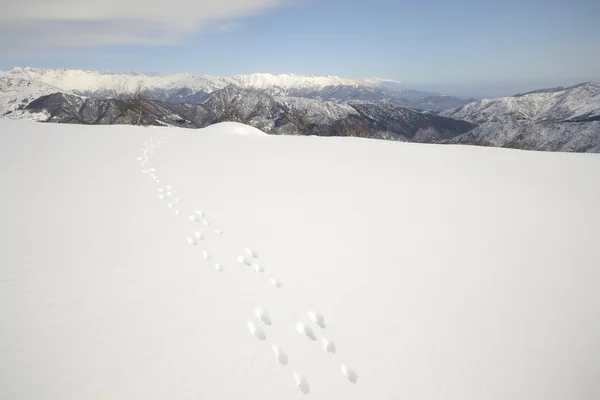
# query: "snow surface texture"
423,271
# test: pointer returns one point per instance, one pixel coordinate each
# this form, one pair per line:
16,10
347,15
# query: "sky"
461,47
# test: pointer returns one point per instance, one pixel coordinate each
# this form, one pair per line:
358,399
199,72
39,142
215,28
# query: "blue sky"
460,47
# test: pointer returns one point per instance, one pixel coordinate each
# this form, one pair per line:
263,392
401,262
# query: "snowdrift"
166,263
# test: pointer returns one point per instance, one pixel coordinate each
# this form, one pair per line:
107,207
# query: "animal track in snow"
168,187
192,241
218,267
194,218
160,190
170,205
349,373
302,383
280,356
251,253
328,345
169,194
262,315
244,261
206,255
218,232
177,212
206,223
160,196
275,282
259,268
317,318
306,330
199,235
176,200
257,331
200,213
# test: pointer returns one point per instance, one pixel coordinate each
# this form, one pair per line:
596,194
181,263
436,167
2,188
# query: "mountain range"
566,119
556,119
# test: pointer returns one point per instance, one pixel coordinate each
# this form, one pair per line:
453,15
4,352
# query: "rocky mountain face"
558,119
274,115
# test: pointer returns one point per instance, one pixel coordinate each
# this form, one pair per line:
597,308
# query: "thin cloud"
118,22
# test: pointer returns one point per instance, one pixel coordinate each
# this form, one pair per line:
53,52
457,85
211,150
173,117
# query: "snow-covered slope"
565,119
369,269
16,93
555,105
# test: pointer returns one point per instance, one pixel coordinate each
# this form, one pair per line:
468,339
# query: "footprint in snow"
302,383
199,235
206,255
160,190
176,200
257,331
262,315
194,218
306,330
161,196
349,373
200,214
206,223
169,194
152,170
177,212
280,356
317,318
170,205
259,268
328,345
218,232
275,282
192,241
251,253
168,187
244,261
218,267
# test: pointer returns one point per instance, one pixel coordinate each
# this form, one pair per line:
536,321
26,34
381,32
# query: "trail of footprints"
247,259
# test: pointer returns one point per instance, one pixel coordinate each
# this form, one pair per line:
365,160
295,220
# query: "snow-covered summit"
293,81
80,80
558,104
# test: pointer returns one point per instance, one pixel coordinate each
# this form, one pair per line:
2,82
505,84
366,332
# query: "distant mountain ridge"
566,119
554,119
273,115
194,88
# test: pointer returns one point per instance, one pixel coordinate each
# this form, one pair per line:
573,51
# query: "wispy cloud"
118,22
230,27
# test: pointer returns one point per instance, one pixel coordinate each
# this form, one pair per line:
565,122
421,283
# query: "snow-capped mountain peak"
80,80
293,81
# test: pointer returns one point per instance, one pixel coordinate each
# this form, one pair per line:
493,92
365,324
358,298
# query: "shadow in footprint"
302,383
328,345
280,356
257,331
262,315
317,318
349,373
306,330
